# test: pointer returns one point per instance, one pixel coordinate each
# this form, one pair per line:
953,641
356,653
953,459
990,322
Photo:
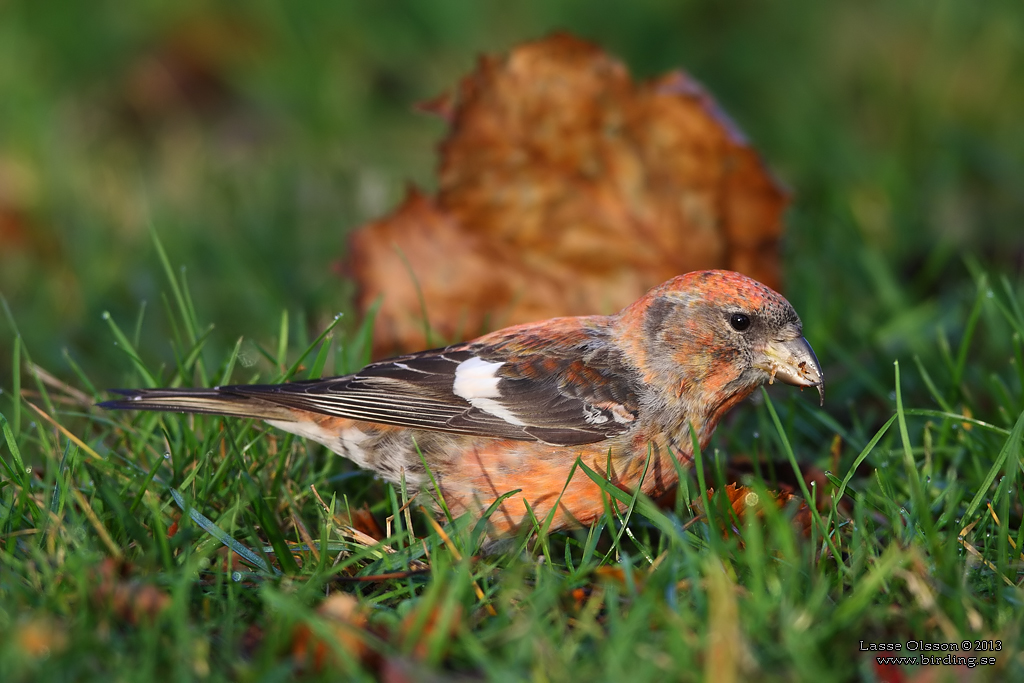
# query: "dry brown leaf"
888,673
40,636
565,188
128,598
347,620
744,500
22,232
15,228
423,627
817,482
187,68
361,519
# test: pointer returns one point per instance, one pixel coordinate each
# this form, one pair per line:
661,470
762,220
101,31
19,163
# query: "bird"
518,409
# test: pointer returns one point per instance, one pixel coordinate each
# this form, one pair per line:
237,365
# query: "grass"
194,547
122,537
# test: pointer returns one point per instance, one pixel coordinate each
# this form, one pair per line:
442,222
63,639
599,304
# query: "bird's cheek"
726,361
708,358
722,369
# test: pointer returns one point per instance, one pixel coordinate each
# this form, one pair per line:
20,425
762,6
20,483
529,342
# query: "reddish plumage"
516,408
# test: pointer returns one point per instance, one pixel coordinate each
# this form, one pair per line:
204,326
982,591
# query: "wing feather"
564,389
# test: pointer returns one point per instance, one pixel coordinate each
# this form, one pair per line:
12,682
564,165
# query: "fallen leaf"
40,636
363,520
887,673
187,68
745,500
565,188
128,598
423,628
346,620
740,466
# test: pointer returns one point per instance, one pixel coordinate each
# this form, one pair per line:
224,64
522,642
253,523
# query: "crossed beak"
793,362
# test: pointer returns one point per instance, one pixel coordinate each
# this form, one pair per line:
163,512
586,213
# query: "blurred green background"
254,136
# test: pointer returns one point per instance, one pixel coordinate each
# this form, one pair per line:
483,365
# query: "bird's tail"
216,401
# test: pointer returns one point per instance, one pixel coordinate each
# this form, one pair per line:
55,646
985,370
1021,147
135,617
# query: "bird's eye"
739,322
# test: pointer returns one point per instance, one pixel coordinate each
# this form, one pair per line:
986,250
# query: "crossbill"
515,409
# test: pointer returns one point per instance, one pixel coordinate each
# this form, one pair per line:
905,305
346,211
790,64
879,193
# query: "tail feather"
209,401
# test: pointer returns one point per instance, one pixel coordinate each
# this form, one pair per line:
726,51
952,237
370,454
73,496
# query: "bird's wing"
565,386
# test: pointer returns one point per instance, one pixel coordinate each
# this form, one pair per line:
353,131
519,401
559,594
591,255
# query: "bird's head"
711,337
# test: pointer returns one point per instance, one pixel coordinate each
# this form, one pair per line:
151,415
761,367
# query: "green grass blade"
932,389
137,335
360,347
16,386
207,525
229,367
863,455
644,505
917,493
127,347
968,336
18,472
184,312
1011,449
308,350
282,346
79,373
808,498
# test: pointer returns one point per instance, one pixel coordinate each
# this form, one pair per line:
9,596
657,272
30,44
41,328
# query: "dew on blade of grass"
236,576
